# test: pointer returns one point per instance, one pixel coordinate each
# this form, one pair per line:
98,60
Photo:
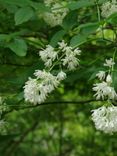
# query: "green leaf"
18,46
11,8
40,7
88,28
57,37
102,1
83,3
20,3
80,4
23,15
112,19
84,31
78,40
70,20
4,37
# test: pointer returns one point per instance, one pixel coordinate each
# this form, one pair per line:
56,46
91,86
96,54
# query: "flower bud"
109,79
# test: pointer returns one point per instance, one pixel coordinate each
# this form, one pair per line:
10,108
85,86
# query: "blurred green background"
62,126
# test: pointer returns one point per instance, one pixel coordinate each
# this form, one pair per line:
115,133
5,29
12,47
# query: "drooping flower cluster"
48,55
108,8
69,55
36,90
57,13
104,89
105,119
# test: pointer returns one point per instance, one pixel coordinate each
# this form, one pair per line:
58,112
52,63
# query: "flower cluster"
48,55
36,90
57,13
109,8
104,89
105,119
69,55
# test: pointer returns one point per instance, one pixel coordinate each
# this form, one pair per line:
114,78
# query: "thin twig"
54,103
19,65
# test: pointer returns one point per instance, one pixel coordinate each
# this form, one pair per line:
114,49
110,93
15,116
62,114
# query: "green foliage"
78,40
16,2
18,46
57,37
55,129
23,15
82,3
84,30
112,19
70,20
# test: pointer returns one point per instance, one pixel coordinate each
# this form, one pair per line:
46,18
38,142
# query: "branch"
54,103
18,65
60,103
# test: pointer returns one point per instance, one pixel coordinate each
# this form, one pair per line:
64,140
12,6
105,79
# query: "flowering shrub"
58,52
36,90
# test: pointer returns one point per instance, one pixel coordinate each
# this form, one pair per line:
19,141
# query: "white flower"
103,90
40,74
47,77
77,51
31,91
50,79
109,62
109,79
68,50
61,75
48,55
109,8
105,119
71,61
48,63
101,75
36,90
71,54
48,2
62,44
57,14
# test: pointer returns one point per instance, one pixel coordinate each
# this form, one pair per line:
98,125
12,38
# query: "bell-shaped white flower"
109,63
101,75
